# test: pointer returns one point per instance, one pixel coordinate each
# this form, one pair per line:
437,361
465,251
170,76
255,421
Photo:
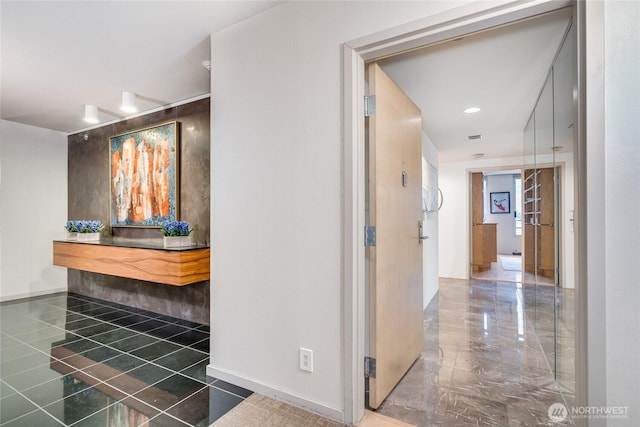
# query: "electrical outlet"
306,359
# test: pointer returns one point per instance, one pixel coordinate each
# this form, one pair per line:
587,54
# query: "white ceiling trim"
449,25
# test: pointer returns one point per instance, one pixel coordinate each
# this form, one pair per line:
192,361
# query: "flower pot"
88,237
72,235
177,241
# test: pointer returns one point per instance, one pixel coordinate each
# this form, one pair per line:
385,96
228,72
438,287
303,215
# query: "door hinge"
369,105
369,235
369,367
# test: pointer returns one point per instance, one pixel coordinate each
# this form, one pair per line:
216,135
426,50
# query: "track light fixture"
91,114
128,102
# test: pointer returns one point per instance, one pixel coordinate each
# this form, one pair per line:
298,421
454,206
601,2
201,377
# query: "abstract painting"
500,202
144,176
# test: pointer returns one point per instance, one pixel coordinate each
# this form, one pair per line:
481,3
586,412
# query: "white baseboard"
283,396
32,294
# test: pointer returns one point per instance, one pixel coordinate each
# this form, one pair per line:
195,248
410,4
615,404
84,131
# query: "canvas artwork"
500,203
144,176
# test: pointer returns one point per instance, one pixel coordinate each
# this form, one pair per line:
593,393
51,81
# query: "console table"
142,259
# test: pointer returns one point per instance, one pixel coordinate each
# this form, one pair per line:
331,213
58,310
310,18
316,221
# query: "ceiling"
58,56
502,71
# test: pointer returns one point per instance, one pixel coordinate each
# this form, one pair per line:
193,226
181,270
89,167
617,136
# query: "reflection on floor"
482,362
75,360
555,331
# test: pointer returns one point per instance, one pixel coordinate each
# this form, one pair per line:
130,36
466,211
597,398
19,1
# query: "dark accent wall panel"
89,193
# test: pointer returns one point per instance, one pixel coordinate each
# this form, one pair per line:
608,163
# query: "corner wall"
33,208
89,198
621,203
277,184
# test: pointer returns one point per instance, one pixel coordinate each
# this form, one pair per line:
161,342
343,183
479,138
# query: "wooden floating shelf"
170,267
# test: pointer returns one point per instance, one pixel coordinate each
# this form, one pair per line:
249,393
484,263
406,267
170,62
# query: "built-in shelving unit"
141,259
538,219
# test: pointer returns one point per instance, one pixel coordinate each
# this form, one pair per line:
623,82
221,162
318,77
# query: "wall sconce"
128,102
91,114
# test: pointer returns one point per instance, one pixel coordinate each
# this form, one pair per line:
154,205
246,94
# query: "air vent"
474,137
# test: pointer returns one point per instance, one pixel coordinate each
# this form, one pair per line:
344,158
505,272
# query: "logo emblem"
557,412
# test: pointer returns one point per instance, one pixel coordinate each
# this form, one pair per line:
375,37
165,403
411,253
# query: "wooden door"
395,210
477,198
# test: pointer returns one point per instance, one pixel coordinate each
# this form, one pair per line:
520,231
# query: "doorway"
496,207
356,53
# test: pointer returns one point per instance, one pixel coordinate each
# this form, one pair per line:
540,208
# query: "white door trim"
450,24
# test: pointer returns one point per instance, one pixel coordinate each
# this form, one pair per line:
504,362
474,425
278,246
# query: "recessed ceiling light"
472,110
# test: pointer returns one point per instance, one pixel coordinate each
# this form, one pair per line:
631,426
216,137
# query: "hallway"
482,362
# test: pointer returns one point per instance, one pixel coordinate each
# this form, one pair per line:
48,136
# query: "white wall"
621,207
507,241
430,274
33,205
276,190
454,218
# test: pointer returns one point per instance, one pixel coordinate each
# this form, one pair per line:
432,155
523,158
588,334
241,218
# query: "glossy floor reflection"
482,362
77,361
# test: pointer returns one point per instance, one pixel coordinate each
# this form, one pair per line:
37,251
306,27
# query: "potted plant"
85,230
72,230
177,234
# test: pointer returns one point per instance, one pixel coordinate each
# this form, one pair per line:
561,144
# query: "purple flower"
175,228
84,226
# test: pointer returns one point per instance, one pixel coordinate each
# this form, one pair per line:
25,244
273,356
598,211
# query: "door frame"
433,29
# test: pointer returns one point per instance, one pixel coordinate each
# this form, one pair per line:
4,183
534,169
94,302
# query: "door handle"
420,236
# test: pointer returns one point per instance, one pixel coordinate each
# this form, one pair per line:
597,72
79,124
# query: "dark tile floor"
482,363
67,359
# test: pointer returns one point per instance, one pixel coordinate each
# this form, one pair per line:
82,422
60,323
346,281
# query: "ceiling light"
128,102
91,114
472,110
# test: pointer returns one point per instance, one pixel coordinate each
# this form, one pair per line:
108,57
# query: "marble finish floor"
71,360
499,274
496,272
482,362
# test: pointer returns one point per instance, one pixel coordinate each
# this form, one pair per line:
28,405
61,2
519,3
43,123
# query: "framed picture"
144,176
500,203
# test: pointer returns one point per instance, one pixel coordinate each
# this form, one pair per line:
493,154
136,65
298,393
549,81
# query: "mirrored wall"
547,212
